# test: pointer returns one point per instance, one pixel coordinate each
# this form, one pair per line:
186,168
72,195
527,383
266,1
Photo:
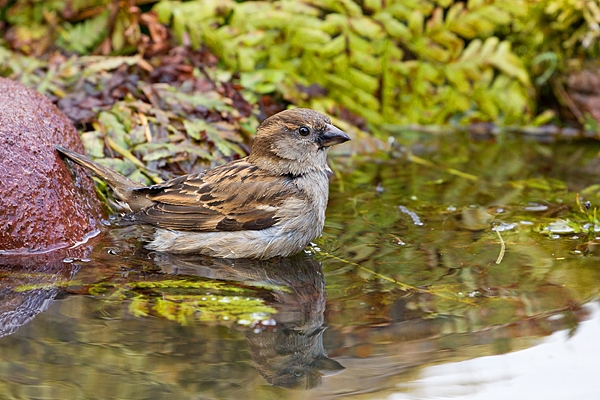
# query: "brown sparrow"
271,203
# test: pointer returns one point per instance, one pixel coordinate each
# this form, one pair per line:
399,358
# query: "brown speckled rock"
41,206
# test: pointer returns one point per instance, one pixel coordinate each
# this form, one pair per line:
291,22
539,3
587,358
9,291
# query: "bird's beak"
332,136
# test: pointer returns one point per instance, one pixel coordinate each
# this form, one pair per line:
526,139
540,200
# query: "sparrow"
269,204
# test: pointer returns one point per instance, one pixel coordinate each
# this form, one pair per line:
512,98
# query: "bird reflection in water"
287,351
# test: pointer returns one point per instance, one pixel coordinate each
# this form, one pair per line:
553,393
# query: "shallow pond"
459,268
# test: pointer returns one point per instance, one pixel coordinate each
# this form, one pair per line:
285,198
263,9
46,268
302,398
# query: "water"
441,273
558,366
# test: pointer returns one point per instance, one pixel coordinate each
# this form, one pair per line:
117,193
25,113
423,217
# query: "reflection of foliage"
455,253
186,300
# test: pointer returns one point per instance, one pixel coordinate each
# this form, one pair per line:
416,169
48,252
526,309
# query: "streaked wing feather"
235,196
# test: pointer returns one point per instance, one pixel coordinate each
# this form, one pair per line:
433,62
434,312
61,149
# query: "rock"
41,206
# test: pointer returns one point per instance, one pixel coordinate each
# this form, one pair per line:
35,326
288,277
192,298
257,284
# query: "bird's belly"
266,243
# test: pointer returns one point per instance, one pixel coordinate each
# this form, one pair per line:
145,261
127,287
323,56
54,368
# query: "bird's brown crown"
291,142
290,120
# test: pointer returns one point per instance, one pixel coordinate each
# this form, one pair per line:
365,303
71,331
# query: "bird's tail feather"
121,185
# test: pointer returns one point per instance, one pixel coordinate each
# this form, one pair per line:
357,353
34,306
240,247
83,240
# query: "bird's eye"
304,131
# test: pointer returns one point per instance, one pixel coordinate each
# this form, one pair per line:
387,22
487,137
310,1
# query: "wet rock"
41,206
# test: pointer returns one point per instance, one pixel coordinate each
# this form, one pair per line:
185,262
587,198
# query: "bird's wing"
233,197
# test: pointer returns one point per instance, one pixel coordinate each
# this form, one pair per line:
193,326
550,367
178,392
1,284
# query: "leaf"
93,143
96,64
85,36
416,22
333,47
508,63
393,27
364,55
262,81
194,127
366,27
114,128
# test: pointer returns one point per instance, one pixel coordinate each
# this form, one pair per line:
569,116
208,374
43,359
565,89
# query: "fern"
82,38
396,62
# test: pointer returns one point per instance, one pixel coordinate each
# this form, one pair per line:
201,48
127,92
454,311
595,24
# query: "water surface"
448,268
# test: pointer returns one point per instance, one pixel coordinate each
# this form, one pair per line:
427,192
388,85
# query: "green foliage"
138,136
78,26
33,12
569,28
83,38
151,138
396,62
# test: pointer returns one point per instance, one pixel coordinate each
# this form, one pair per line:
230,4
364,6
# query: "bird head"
295,142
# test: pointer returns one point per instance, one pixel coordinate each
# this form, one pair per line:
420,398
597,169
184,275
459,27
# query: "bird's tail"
121,185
